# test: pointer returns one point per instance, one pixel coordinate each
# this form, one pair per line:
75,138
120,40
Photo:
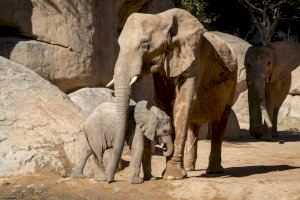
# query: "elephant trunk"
122,98
260,88
170,147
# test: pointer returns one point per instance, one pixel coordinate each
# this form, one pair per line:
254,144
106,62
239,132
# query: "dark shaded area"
283,136
12,13
250,170
232,17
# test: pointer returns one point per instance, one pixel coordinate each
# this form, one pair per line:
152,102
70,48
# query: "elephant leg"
218,129
146,160
77,171
181,115
137,156
190,151
99,173
274,122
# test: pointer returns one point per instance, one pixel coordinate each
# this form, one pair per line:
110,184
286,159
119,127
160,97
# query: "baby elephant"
152,123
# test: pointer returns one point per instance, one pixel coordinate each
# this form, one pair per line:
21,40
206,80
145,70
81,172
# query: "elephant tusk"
110,83
265,118
133,80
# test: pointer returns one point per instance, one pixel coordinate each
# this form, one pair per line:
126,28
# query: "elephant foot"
100,178
149,178
255,134
174,171
189,168
136,180
215,169
275,134
76,174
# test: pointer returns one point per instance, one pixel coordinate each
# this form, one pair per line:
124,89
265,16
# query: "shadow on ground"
250,170
283,136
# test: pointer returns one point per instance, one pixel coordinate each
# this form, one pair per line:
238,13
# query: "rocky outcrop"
295,86
73,43
40,129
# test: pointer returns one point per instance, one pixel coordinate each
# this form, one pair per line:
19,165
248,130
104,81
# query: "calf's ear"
145,119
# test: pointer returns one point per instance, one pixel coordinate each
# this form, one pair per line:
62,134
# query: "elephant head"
155,125
266,65
168,43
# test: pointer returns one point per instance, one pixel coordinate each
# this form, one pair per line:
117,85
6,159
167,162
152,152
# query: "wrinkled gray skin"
144,125
268,72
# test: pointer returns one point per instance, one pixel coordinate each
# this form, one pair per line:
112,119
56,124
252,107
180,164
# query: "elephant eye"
145,46
269,63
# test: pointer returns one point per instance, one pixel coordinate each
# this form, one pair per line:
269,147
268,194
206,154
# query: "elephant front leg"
136,156
147,161
181,115
274,122
218,129
190,151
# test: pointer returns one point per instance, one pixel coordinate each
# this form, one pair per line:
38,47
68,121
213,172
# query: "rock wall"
71,43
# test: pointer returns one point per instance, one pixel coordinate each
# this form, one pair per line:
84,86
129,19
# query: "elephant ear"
184,32
287,58
145,119
220,50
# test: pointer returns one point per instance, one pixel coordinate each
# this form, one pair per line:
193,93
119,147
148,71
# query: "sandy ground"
254,170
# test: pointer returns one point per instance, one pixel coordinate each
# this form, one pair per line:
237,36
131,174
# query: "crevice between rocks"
11,31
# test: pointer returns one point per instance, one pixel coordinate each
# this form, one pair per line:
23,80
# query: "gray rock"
87,99
295,86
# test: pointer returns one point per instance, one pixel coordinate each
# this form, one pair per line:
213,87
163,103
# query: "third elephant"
268,70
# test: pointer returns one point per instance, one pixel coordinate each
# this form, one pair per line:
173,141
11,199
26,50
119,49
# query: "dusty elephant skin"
268,72
193,68
145,125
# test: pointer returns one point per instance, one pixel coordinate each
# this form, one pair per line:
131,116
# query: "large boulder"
40,129
87,99
295,86
289,114
71,43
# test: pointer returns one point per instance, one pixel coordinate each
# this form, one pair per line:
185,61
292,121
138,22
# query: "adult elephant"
194,75
268,70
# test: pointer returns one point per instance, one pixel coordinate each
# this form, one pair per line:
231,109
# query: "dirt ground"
253,170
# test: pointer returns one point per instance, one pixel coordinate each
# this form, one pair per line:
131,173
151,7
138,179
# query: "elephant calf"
152,123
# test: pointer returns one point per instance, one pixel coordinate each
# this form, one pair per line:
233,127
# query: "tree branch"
251,6
278,4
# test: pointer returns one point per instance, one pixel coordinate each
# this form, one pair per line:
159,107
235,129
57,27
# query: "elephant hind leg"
218,129
190,151
77,171
99,173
